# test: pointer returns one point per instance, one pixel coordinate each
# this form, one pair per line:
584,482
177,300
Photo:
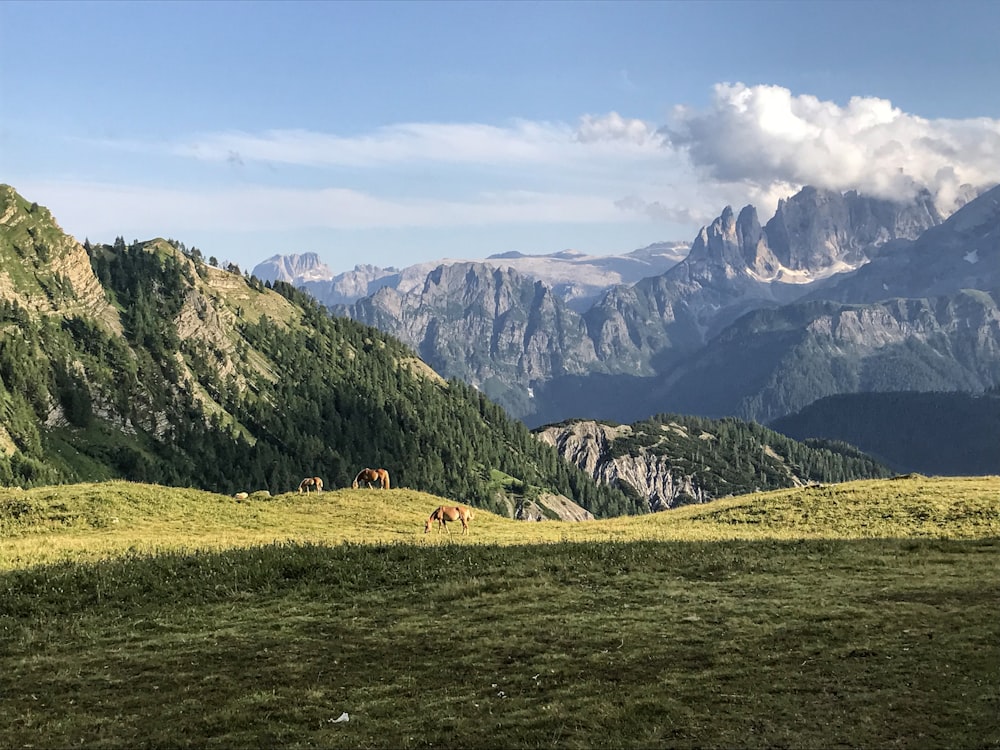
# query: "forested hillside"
179,373
670,459
950,434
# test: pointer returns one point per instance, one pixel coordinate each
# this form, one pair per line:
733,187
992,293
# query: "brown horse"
378,476
311,483
444,513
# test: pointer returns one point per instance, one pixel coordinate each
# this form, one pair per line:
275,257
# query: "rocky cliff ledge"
588,445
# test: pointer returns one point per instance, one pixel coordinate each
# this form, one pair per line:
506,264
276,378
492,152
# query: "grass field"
855,615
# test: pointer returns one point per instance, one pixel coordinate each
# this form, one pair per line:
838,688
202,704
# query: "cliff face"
819,231
589,445
44,270
672,460
484,325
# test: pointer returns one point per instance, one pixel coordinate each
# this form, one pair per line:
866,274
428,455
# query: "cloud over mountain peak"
764,135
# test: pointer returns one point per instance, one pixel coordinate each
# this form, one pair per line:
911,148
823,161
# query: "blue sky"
394,133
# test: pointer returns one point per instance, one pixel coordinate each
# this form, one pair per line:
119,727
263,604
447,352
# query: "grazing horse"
445,513
378,476
311,483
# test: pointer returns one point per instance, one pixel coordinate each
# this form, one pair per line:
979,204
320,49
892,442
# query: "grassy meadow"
855,615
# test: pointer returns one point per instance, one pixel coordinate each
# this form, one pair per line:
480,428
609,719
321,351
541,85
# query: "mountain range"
577,278
837,293
142,361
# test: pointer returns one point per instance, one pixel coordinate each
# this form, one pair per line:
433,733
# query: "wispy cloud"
614,127
752,144
523,142
113,209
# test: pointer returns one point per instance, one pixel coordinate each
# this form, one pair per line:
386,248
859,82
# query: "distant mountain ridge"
576,277
660,344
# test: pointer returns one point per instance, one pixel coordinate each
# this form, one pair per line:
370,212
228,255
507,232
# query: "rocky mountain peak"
732,245
822,232
293,268
717,244
753,245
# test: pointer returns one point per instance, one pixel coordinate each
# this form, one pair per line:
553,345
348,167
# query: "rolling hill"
860,614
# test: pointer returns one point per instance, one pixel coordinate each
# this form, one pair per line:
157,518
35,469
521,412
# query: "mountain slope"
174,372
672,460
940,434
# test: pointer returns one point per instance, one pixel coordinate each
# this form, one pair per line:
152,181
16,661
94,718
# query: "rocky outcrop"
588,445
551,507
673,460
44,270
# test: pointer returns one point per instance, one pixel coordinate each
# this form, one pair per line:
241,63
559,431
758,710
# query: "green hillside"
148,364
96,520
948,433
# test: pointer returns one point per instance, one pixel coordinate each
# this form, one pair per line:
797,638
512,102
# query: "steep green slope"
187,375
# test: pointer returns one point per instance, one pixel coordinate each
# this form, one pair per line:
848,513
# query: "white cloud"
751,145
763,137
614,127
